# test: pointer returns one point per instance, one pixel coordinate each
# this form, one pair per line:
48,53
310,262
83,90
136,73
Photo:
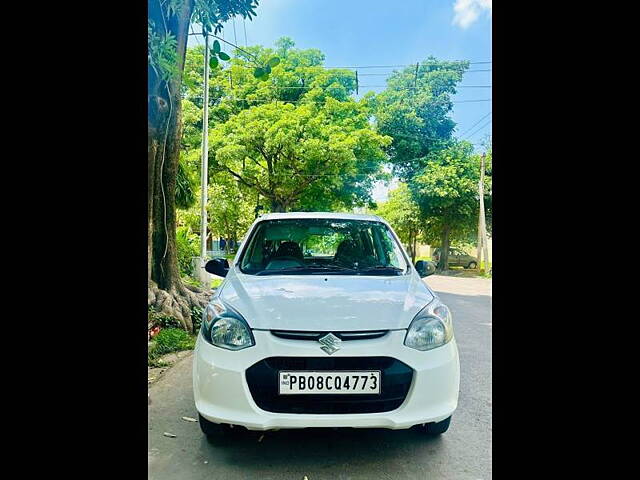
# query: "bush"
187,248
156,319
196,316
170,340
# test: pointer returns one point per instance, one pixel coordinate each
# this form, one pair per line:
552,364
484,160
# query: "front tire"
437,428
472,265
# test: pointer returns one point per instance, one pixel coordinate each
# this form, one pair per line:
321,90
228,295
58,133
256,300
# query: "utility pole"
204,174
479,249
482,227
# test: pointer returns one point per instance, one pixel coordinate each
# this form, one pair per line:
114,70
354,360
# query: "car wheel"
472,265
214,430
437,428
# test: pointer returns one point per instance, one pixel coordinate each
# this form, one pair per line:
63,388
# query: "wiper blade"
382,268
307,268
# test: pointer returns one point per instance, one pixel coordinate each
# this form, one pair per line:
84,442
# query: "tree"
230,210
414,110
446,190
312,155
403,214
167,43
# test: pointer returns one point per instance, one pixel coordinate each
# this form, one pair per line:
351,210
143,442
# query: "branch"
257,60
246,183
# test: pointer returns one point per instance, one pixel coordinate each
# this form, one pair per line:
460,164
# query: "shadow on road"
316,449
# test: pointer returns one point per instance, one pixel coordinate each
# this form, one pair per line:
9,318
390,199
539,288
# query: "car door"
464,258
454,259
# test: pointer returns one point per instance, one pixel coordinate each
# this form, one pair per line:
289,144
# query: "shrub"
157,319
170,340
187,248
196,316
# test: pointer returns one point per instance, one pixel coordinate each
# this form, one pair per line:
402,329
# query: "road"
464,452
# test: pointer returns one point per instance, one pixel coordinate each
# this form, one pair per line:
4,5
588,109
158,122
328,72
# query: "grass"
215,283
169,340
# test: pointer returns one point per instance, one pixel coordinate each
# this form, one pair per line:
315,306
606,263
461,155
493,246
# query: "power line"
273,100
472,126
301,87
386,74
479,129
418,88
409,65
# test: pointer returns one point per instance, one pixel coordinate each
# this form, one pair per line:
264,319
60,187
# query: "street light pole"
205,160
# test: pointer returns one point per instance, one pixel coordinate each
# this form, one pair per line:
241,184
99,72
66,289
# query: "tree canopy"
301,156
414,110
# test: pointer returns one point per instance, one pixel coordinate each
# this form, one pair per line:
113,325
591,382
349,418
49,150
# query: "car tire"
472,265
215,430
437,428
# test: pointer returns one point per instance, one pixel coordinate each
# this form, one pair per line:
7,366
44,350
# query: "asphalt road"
464,452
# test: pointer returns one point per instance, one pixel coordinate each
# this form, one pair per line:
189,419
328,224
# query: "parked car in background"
457,258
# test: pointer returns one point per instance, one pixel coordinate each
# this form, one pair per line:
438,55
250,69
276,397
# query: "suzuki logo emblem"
330,343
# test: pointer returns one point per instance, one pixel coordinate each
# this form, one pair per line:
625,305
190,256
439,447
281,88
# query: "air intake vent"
294,335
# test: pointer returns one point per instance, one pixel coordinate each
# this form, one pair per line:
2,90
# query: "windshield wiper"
307,268
381,269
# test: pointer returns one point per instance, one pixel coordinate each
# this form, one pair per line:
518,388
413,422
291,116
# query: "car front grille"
395,381
297,335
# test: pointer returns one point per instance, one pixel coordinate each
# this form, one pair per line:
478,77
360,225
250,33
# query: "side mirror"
218,266
425,268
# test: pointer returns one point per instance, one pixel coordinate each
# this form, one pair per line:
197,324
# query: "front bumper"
222,394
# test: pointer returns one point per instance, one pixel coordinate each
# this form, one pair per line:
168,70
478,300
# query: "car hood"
332,302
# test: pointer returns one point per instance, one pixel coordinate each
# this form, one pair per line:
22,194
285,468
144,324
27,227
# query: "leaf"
258,72
273,62
224,56
213,61
216,46
267,69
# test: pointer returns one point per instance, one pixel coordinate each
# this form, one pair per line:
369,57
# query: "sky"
381,33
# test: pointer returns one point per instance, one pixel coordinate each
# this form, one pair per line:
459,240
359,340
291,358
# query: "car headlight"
431,327
225,328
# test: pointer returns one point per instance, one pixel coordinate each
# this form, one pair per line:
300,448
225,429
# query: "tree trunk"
277,206
414,253
166,291
443,264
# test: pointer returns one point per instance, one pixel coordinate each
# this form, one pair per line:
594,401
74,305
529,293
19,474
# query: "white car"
347,335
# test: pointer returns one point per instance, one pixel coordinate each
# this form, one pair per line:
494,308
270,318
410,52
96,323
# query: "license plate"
334,382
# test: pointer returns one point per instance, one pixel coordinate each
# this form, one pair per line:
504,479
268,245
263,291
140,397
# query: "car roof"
334,215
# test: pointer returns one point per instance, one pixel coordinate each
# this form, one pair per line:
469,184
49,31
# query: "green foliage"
161,320
170,340
212,14
161,52
196,316
230,209
186,186
418,117
187,245
447,192
319,122
308,156
403,214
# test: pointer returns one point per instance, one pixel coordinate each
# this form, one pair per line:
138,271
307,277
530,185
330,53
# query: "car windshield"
313,246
